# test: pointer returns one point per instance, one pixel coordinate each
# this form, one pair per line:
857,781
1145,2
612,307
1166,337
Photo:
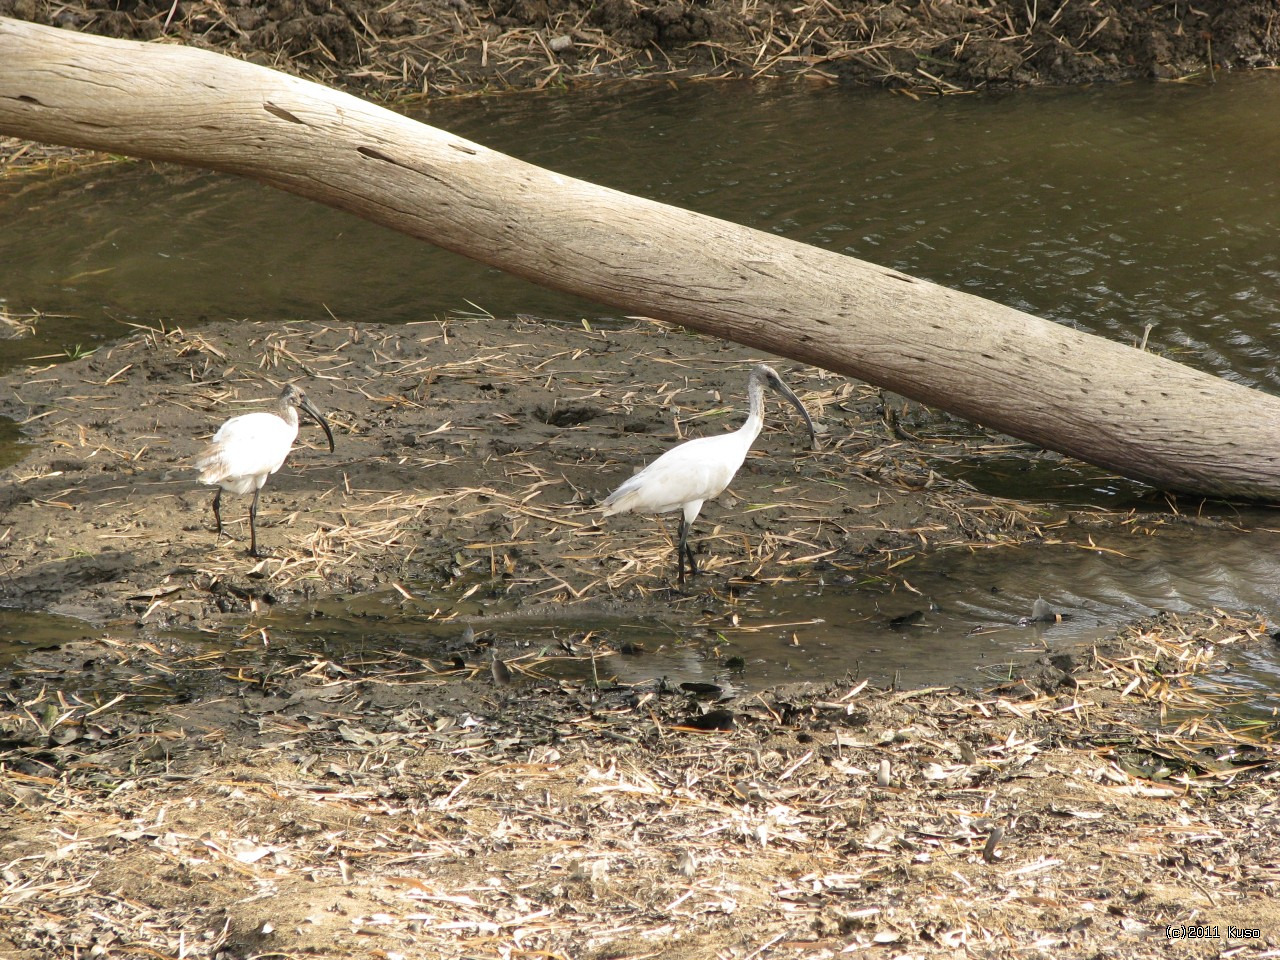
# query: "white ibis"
698,470
249,448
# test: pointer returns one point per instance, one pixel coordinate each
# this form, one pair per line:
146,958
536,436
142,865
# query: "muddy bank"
166,802
410,50
468,452
443,47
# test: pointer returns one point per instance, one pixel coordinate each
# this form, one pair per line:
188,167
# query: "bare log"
1123,409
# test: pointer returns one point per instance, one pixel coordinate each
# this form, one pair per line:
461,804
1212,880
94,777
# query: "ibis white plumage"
249,448
698,470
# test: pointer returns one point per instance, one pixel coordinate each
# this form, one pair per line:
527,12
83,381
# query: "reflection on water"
21,632
12,445
960,616
1110,208
1045,477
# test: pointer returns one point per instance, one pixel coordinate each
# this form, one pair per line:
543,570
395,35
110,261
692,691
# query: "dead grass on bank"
382,807
409,47
801,519
26,164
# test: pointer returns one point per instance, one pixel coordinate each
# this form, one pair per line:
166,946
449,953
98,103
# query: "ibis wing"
696,470
254,444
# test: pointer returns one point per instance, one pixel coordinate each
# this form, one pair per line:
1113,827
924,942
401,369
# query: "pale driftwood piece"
1120,408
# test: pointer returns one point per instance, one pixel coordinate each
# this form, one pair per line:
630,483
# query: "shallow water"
959,616
1109,208
21,631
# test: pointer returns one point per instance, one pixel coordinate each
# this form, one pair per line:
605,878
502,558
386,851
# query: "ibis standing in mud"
698,470
249,448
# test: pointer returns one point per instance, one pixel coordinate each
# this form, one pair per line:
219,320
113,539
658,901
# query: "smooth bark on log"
1139,415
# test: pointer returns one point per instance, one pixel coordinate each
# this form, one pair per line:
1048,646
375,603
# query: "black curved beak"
318,417
776,382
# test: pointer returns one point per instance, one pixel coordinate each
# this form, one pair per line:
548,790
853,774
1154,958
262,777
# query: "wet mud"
468,452
162,795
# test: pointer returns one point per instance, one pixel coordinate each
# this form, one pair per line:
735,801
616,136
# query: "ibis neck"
755,410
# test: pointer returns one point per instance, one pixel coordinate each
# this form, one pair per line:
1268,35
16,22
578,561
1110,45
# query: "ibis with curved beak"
698,470
249,448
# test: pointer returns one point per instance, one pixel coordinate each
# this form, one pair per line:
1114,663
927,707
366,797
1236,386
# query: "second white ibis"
698,470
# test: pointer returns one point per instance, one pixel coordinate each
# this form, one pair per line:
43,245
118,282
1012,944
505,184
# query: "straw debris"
395,807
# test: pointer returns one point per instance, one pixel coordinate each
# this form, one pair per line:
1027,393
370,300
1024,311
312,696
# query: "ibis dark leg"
680,532
253,519
684,552
217,510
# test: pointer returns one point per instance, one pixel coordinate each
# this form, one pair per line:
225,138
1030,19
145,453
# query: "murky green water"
20,631
1110,208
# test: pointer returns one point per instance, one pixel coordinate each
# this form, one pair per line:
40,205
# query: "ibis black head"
768,377
293,396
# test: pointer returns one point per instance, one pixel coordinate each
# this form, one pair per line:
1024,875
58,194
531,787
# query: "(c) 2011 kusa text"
1207,931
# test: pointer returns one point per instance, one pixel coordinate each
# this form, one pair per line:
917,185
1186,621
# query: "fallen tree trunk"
1125,410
